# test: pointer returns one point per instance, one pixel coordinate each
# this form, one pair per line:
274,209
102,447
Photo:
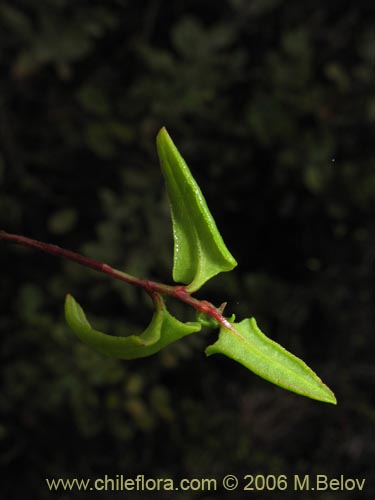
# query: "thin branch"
151,287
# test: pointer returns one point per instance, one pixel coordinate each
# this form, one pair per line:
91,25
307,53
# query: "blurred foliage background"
272,104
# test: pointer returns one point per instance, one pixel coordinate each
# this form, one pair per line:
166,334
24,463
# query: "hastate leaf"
268,359
199,250
163,330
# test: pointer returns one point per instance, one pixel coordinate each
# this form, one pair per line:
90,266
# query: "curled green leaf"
163,330
199,250
247,345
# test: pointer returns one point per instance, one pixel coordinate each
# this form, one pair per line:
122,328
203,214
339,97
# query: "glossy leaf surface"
199,250
163,330
268,359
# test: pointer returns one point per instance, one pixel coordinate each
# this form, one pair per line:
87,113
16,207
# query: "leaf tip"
162,135
67,302
329,397
68,297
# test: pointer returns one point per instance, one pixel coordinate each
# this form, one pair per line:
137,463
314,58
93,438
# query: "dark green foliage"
273,103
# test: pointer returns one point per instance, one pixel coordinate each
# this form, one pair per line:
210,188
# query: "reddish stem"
151,287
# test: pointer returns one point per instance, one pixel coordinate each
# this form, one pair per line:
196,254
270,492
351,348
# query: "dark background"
272,104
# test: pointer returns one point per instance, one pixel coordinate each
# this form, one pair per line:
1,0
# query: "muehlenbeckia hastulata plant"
199,254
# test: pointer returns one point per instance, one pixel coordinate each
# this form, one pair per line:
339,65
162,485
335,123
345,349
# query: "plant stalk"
151,287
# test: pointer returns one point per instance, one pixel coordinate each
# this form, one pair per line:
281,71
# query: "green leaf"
268,359
199,250
163,330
